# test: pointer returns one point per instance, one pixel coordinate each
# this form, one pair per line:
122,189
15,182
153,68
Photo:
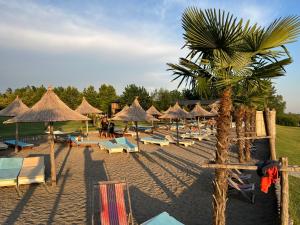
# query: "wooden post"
137,135
52,157
284,212
17,137
87,127
270,121
177,140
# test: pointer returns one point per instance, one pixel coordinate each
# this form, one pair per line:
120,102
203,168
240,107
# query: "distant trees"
163,98
131,91
70,95
106,95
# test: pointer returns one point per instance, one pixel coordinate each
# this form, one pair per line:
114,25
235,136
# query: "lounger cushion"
32,171
20,143
128,146
154,140
162,219
111,147
9,170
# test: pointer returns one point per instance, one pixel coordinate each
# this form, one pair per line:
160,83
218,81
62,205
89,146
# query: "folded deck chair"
151,140
21,144
112,203
240,177
111,147
244,189
162,219
127,145
32,171
172,140
9,171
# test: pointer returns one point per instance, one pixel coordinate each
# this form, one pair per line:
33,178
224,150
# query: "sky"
82,43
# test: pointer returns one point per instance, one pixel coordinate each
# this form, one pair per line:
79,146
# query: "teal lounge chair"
21,144
151,140
162,219
111,147
9,171
127,145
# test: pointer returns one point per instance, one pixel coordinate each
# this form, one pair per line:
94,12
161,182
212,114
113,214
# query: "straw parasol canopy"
177,113
15,108
198,111
49,109
214,112
136,114
125,108
153,111
168,110
86,108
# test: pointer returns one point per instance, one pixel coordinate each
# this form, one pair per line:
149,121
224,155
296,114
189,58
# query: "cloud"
46,28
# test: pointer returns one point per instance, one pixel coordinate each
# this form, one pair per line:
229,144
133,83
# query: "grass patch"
288,144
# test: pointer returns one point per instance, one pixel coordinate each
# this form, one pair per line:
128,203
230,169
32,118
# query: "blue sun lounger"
21,144
151,140
162,219
127,145
111,147
73,140
9,171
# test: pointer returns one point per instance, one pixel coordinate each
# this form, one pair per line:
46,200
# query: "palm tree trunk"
220,183
253,122
239,117
247,134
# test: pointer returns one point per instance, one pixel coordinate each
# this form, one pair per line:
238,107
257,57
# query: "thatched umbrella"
198,112
85,108
125,108
176,113
49,109
134,113
154,112
17,107
214,112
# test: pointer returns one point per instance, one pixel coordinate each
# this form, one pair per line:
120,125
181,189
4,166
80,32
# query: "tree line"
103,96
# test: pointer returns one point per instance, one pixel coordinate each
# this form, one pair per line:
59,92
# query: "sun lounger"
74,141
151,140
162,219
9,171
3,146
21,145
172,140
32,171
244,189
111,147
127,145
240,177
112,203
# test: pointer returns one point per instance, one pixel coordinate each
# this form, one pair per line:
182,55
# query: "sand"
160,179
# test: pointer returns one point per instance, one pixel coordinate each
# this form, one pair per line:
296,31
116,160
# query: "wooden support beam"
238,166
284,212
251,138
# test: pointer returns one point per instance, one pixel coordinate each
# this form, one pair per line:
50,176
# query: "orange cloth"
270,178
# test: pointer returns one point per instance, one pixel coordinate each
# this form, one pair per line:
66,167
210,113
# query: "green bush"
288,120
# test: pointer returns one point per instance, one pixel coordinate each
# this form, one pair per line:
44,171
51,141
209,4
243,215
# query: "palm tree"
223,51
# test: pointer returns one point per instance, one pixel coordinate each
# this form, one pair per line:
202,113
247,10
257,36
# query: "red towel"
270,178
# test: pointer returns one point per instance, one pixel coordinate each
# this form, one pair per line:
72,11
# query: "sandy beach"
160,179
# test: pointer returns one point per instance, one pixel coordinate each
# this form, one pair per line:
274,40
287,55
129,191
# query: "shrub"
288,120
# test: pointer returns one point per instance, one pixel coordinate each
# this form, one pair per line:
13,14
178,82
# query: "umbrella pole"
17,137
198,125
87,127
177,141
137,135
52,157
